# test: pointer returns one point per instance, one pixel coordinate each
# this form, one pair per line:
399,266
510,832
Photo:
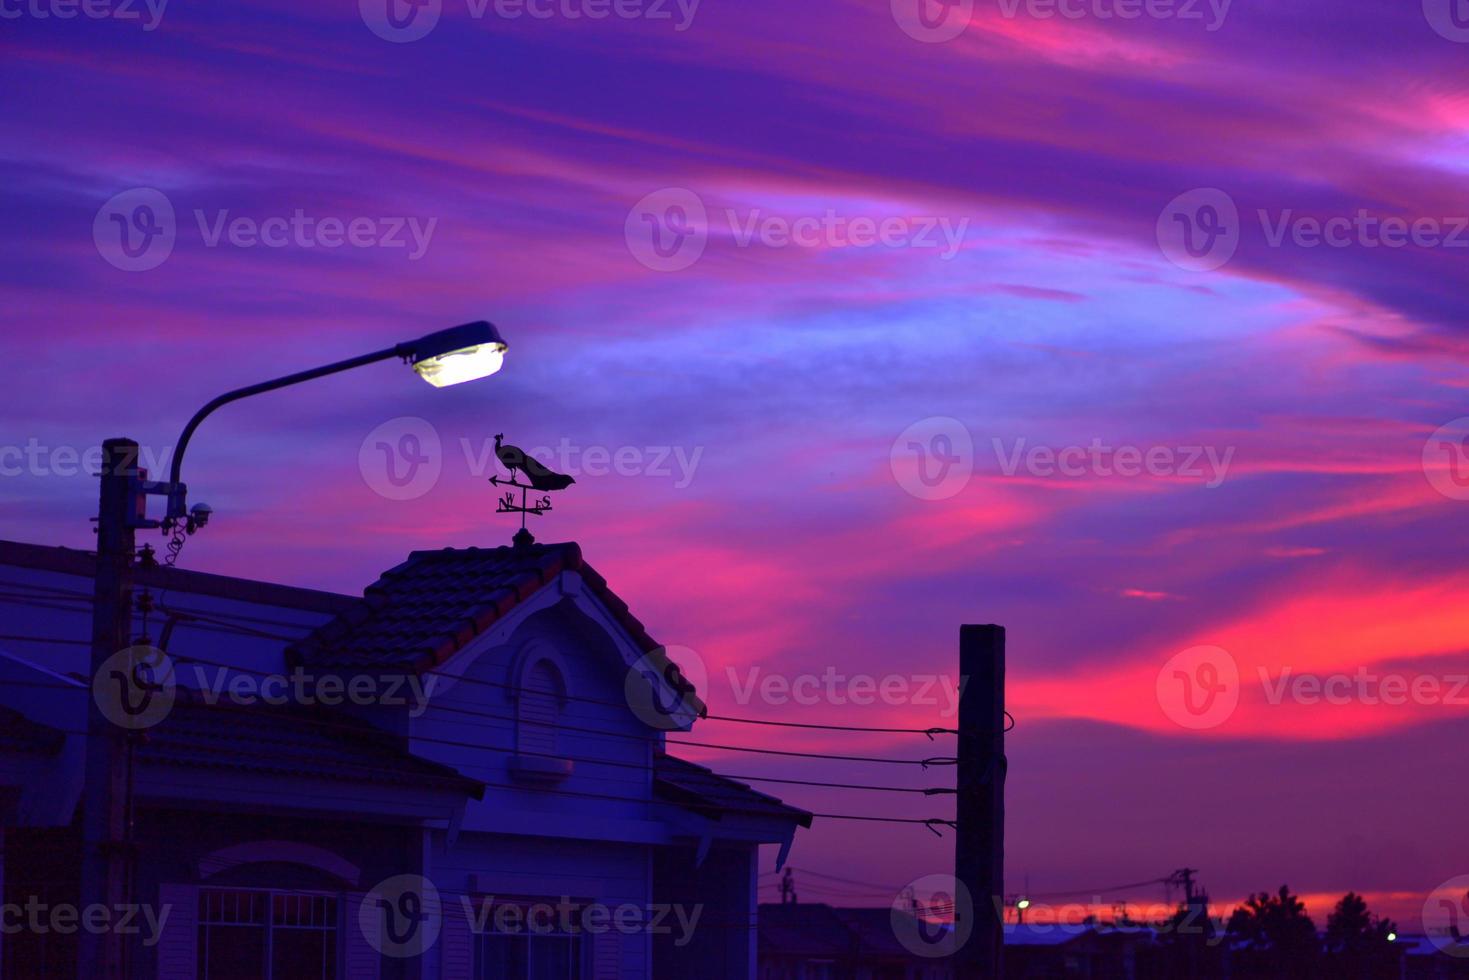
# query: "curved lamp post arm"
462,353
261,388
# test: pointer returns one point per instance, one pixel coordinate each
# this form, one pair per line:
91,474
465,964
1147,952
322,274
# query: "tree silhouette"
1356,941
1189,945
1276,937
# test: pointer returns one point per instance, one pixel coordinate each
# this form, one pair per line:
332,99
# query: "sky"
1136,327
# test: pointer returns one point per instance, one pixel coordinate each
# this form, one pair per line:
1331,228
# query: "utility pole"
788,888
979,842
104,816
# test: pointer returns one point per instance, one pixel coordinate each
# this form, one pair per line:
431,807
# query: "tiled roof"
420,613
685,782
72,561
291,741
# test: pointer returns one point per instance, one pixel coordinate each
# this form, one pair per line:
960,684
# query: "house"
462,773
815,941
1091,950
1437,957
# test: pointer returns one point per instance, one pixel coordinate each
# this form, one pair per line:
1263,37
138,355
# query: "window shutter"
456,944
538,709
360,958
607,956
177,950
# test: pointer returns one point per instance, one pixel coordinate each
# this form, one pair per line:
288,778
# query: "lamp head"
464,353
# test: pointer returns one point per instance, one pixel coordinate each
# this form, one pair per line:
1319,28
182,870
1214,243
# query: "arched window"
542,693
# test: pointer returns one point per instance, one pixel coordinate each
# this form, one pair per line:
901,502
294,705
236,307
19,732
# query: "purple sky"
886,231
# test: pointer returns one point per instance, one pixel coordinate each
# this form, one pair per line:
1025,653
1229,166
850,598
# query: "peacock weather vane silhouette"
538,477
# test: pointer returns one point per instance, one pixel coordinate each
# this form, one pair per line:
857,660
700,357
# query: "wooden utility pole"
104,815
979,843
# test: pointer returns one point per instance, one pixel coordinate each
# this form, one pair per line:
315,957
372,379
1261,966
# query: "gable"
427,613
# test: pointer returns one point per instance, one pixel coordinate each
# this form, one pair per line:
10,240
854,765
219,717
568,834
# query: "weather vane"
539,477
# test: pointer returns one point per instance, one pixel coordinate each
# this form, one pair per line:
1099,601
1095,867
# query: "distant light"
1024,903
1392,937
459,354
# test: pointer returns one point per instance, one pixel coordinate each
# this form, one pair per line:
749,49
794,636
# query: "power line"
198,617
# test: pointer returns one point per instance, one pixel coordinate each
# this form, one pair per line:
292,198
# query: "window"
540,704
525,941
255,934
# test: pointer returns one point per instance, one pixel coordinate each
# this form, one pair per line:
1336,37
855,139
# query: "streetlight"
447,357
